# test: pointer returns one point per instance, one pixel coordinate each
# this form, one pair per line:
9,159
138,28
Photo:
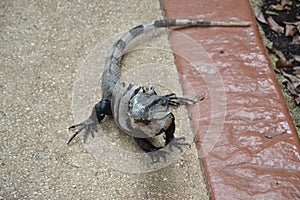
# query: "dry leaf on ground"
274,26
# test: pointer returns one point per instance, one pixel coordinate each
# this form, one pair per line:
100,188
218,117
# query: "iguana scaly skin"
138,110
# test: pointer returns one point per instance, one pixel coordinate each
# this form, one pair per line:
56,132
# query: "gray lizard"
138,111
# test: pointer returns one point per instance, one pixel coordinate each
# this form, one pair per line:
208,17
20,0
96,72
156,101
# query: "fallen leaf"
259,15
281,62
271,12
296,24
290,30
296,71
274,26
297,100
280,7
293,23
296,40
297,58
283,5
294,83
289,86
286,3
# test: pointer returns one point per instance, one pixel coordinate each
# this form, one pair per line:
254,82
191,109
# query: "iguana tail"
111,74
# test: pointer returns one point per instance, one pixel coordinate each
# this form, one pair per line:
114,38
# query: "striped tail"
112,71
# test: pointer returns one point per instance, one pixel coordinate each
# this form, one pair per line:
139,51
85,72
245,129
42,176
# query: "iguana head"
145,106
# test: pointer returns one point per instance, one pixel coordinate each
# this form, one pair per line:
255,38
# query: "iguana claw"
176,143
88,126
156,155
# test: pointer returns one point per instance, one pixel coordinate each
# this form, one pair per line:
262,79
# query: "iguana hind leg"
154,152
171,140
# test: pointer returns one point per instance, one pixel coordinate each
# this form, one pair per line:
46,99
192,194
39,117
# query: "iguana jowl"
137,110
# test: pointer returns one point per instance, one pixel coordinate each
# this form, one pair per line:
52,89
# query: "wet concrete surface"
43,46
256,153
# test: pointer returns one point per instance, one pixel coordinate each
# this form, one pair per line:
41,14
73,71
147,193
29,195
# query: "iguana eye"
151,88
136,91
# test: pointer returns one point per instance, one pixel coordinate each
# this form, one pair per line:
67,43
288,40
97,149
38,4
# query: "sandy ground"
43,47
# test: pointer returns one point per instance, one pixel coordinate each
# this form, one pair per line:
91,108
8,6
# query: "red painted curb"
255,152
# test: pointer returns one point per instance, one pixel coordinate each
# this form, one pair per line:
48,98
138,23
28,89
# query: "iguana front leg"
90,125
171,140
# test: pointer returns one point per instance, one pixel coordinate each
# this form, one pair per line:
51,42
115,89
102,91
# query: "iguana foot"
178,143
89,126
157,155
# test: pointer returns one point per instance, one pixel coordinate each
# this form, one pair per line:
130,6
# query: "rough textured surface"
256,155
42,45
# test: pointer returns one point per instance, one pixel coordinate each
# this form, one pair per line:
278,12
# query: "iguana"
138,110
